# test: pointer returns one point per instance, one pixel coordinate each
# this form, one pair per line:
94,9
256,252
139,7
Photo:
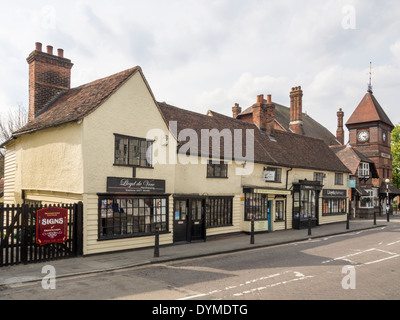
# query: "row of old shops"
196,217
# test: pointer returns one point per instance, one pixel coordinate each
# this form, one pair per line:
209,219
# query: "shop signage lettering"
135,185
51,225
334,193
269,175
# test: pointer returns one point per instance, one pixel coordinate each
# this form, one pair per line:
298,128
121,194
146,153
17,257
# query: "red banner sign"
51,225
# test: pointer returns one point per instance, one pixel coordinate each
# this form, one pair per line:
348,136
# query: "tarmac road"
360,265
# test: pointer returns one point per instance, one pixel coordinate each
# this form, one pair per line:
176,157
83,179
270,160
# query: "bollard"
309,226
388,213
157,243
348,222
374,218
252,232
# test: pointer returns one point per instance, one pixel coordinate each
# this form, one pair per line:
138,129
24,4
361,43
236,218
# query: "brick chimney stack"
48,76
296,110
340,131
264,114
236,110
270,109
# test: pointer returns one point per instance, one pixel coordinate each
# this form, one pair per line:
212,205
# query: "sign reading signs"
135,185
51,225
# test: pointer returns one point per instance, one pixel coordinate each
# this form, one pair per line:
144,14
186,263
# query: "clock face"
363,136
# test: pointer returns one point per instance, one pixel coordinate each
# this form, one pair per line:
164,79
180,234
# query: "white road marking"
390,244
271,286
346,258
299,276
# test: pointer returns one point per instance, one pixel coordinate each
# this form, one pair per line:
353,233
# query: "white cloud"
211,54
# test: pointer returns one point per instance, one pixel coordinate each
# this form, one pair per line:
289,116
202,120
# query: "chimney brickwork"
48,76
340,131
236,110
296,111
264,114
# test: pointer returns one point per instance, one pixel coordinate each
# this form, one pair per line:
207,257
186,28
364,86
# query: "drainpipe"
287,177
287,180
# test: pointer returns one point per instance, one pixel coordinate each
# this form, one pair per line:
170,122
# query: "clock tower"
369,132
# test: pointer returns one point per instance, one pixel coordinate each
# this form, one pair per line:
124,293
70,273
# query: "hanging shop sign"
135,185
51,225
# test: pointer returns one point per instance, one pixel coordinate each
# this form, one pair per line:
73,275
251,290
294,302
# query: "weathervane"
370,78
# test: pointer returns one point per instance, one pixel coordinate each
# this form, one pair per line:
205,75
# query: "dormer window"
363,170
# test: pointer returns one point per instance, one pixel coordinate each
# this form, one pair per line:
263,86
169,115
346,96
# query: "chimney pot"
60,53
40,66
269,99
296,111
340,131
236,110
38,46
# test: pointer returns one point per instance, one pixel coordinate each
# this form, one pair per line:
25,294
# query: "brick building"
369,147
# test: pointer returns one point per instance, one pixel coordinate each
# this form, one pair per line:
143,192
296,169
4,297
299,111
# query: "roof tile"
75,104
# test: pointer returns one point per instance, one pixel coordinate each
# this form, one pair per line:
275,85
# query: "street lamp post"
387,200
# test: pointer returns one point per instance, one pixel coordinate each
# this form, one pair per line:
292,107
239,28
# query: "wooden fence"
18,235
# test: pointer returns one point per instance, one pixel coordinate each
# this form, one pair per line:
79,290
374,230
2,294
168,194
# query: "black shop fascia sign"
134,185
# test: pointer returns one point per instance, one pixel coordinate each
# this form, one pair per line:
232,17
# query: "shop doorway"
269,215
189,222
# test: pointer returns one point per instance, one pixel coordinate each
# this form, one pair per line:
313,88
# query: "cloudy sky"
203,54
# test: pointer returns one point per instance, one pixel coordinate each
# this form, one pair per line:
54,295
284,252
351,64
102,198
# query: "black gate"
18,235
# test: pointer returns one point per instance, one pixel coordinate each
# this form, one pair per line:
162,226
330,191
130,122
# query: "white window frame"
363,170
368,204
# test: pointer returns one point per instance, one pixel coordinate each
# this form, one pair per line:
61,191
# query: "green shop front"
305,203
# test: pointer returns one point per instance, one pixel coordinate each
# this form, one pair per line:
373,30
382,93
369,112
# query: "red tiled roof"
351,158
285,149
369,110
311,127
75,104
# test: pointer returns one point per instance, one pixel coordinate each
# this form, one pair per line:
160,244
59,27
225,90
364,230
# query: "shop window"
279,210
219,212
256,206
333,206
367,202
217,170
304,204
131,216
130,151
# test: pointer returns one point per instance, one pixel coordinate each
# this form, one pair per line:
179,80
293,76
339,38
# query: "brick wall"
48,76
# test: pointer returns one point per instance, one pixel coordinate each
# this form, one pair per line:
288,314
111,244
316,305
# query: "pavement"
19,274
